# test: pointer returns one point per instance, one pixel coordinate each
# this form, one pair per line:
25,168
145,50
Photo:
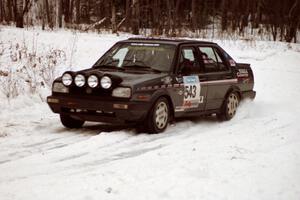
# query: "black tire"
155,123
229,107
70,122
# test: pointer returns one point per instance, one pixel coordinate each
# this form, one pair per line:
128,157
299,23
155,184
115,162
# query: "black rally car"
152,81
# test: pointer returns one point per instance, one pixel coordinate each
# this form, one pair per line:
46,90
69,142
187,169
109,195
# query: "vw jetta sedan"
150,82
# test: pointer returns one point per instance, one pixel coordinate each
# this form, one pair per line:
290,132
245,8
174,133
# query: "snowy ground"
254,156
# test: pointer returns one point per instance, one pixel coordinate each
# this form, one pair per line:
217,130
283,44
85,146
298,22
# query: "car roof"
174,41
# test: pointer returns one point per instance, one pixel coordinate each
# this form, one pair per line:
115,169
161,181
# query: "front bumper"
112,111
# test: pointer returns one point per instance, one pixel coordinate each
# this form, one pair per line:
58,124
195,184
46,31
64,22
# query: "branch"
121,22
95,24
293,8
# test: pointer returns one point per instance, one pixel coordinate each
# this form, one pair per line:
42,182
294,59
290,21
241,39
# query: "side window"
188,62
188,54
221,61
212,60
209,59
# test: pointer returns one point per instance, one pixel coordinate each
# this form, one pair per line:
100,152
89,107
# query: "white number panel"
192,91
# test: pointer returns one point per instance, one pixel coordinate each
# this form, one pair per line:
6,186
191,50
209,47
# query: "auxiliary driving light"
106,82
79,80
67,79
93,81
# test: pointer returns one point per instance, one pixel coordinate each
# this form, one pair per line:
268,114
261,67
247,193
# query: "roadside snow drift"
254,156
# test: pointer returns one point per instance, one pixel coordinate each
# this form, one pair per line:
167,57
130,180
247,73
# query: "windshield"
139,56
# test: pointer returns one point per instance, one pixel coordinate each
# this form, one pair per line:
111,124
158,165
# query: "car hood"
126,78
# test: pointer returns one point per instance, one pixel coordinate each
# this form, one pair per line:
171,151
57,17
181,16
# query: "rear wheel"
159,116
229,107
70,122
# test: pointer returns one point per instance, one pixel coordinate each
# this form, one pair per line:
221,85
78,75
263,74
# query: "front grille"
90,92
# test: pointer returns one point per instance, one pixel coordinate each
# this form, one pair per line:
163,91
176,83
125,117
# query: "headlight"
106,82
67,79
79,80
59,87
93,81
121,92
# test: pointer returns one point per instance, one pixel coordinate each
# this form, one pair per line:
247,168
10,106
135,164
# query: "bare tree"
20,8
113,16
59,4
293,22
77,7
135,22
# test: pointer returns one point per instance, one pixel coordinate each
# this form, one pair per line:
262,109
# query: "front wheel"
70,122
159,116
229,107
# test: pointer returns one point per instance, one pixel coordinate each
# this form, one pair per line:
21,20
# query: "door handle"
228,77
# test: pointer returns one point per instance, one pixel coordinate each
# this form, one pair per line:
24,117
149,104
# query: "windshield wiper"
141,67
108,67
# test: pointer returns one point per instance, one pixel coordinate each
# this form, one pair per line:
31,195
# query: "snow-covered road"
254,156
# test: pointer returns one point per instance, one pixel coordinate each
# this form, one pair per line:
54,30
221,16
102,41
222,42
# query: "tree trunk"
19,21
18,13
71,10
169,8
43,16
59,13
274,32
77,7
194,16
135,22
49,19
9,11
127,8
65,10
113,16
293,21
1,11
177,12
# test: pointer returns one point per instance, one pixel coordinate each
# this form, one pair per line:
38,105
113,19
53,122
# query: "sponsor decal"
179,79
145,44
180,92
242,73
167,80
189,82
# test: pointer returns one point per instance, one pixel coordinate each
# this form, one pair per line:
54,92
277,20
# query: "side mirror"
184,70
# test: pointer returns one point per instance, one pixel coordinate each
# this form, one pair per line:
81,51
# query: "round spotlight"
106,82
93,81
79,80
67,79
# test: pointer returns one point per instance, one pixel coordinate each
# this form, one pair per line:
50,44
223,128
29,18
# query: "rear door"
217,76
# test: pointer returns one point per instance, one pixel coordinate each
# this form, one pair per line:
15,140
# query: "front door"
192,94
